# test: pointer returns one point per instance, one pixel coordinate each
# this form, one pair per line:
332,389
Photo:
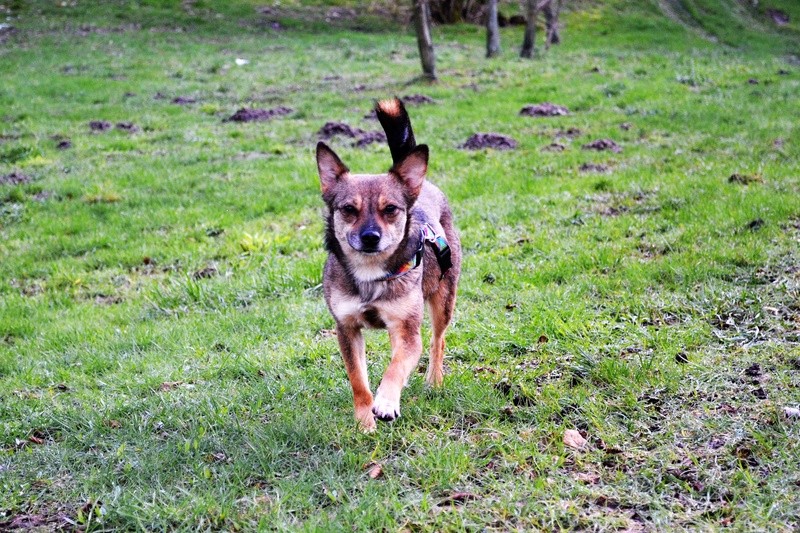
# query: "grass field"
166,359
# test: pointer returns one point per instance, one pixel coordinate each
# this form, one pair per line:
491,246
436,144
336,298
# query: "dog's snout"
370,239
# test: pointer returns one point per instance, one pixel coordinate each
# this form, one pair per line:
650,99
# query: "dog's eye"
349,210
390,209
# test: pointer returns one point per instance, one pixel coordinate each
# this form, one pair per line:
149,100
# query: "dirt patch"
545,109
616,204
258,115
6,31
755,225
752,81
417,99
15,178
184,100
64,144
496,141
554,147
104,299
129,127
370,137
332,129
362,138
779,17
99,125
43,196
205,273
745,179
570,133
594,167
602,145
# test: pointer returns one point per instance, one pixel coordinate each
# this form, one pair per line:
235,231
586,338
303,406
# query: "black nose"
370,239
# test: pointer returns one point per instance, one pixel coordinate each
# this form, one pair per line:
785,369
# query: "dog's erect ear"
330,167
411,170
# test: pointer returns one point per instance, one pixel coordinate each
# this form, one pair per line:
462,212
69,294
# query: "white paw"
385,409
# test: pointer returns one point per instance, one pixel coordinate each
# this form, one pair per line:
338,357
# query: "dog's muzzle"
370,239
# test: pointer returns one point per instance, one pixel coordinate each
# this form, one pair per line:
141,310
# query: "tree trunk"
532,13
422,23
492,30
551,12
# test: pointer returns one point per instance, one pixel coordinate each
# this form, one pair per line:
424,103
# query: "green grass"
136,395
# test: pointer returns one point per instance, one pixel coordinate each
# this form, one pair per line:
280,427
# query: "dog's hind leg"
441,305
351,343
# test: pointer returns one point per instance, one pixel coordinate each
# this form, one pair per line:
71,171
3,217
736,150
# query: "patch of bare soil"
15,178
90,29
616,204
129,127
554,147
417,99
569,133
745,179
184,100
43,196
332,129
545,109
594,167
779,17
207,272
6,31
258,115
362,138
602,145
496,141
64,144
370,137
99,125
105,299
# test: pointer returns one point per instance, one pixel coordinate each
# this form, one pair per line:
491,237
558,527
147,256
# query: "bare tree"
528,41
422,23
492,30
551,12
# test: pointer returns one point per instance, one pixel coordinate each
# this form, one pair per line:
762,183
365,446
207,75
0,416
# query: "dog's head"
369,212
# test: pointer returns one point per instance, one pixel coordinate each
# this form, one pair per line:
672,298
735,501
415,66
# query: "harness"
440,248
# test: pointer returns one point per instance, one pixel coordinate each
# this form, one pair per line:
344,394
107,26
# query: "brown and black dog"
392,250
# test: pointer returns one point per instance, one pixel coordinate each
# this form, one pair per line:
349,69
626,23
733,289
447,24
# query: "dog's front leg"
406,350
351,344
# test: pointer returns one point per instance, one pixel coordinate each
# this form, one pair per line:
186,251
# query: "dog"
392,250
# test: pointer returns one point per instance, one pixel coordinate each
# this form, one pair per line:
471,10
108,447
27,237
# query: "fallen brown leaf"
374,470
574,439
458,498
169,385
791,412
587,477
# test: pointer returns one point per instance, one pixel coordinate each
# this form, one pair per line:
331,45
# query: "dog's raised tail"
393,117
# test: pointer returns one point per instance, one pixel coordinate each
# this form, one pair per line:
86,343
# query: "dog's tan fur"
393,206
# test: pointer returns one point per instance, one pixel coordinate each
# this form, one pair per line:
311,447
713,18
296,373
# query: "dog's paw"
385,409
366,420
434,379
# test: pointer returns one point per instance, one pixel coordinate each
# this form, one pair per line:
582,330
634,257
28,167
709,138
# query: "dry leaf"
113,424
587,477
374,470
169,385
573,439
791,412
457,497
